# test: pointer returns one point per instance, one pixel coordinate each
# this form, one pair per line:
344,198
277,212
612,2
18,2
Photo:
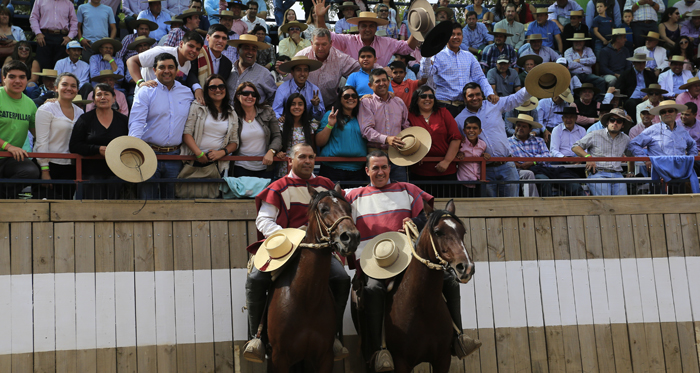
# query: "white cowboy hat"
547,80
140,40
579,36
668,104
131,159
417,142
285,28
528,105
527,119
420,19
248,39
386,255
115,43
278,249
369,17
300,60
104,74
49,73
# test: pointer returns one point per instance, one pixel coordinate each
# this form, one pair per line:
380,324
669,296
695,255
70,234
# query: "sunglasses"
220,87
683,42
616,120
654,93
668,111
348,96
427,95
248,94
295,29
24,49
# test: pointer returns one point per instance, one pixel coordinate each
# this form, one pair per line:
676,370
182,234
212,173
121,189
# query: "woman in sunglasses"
339,135
682,48
670,28
424,112
23,52
258,134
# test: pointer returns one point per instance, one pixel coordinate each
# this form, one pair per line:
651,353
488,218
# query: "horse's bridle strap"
325,237
411,232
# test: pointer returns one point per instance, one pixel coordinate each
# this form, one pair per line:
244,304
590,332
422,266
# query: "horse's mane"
319,196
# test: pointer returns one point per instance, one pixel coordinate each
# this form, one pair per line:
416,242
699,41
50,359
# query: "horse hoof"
339,351
383,361
254,351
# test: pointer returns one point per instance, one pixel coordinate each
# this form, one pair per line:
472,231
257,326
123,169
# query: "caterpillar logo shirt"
16,118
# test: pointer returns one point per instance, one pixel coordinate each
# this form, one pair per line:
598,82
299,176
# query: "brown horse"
417,323
301,315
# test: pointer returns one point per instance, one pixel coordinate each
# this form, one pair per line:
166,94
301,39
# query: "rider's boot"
380,358
462,345
256,287
340,287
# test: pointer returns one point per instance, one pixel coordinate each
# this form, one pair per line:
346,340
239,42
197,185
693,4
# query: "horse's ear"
427,208
338,188
311,190
450,207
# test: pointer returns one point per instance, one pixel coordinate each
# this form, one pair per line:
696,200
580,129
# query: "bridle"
412,234
326,232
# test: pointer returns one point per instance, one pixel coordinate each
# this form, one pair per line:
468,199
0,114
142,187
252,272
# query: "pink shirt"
385,46
469,171
55,15
684,98
636,130
239,27
120,98
379,119
327,78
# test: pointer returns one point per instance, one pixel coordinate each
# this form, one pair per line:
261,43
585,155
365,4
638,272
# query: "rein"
325,238
412,233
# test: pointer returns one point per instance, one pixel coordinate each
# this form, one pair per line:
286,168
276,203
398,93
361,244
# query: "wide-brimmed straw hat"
617,113
448,10
142,21
652,35
78,100
579,36
436,39
140,40
420,19
386,255
692,81
654,88
575,13
348,4
521,60
131,159
583,86
174,20
618,31
47,73
225,13
115,43
300,60
547,80
278,249
369,17
527,119
567,110
680,59
534,37
417,142
640,57
500,31
248,39
189,12
668,104
105,74
284,28
528,105
542,11
567,96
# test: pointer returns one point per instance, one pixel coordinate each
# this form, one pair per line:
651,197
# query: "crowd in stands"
205,78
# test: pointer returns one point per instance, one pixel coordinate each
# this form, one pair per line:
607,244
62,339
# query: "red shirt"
443,129
405,90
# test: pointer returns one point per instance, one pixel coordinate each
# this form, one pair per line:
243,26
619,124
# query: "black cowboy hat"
436,39
567,110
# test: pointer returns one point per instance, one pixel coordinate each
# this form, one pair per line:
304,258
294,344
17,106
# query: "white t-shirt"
213,134
252,145
148,57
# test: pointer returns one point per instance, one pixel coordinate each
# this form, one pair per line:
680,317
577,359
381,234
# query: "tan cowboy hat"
448,10
618,94
654,88
640,57
668,104
225,13
692,81
189,12
500,31
142,21
346,5
78,100
300,60
140,40
131,159
104,74
567,96
421,19
694,13
579,36
618,113
417,142
521,60
527,119
542,11
47,73
174,20
619,31
677,59
248,39
576,13
583,86
278,249
284,28
386,255
534,37
547,80
115,43
529,105
652,35
369,17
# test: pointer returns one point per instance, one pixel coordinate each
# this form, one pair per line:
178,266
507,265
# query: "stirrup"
463,346
254,351
339,351
382,361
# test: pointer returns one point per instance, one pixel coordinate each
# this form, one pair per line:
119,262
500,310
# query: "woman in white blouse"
54,125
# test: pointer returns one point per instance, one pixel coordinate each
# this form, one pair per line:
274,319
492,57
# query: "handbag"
198,190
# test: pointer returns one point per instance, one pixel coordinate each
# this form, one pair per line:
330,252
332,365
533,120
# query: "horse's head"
447,233
330,219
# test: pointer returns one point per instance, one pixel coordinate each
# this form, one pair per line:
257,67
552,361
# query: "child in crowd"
359,80
280,75
602,26
473,147
403,88
627,17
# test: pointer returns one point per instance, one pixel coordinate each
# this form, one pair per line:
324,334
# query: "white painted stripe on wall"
691,264
103,310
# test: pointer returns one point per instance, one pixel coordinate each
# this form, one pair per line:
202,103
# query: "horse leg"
442,364
401,366
278,364
325,364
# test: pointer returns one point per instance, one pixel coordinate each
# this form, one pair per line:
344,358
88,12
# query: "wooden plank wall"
545,271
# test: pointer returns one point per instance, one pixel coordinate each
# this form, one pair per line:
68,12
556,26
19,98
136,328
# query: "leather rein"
412,233
326,232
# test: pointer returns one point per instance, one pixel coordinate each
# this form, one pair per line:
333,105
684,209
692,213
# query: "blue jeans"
607,189
505,172
165,170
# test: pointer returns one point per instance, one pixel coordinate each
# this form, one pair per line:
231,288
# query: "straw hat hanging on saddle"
386,255
547,80
278,249
131,159
417,143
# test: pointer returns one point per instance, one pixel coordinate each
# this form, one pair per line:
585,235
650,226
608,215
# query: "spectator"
586,106
546,27
262,8
647,119
72,64
692,93
528,107
575,81
91,137
289,16
16,120
173,23
280,76
627,17
246,70
503,79
55,24
686,6
602,25
535,47
226,20
549,108
23,52
664,138
104,58
9,34
176,7
203,18
574,27
683,48
613,59
158,117
140,65
527,63
608,142
477,7
48,86
403,88
210,61
54,124
281,7
475,35
296,126
294,43
580,60
252,18
389,29
311,26
560,11
499,48
690,121
449,81
634,80
406,58
654,92
345,11
131,10
442,14
191,21
671,80
514,29
237,7
110,78
360,79
645,17
670,27
143,27
613,11
258,133
95,22
566,134
155,14
382,117
299,67
497,13
446,138
652,49
266,57
602,110
472,147
494,134
691,27
524,11
139,45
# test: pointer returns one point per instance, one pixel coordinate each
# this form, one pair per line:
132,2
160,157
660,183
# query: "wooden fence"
561,285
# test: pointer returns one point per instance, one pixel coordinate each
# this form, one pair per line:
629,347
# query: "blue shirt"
678,81
452,71
475,38
80,69
661,140
548,54
546,112
158,115
596,126
360,81
605,26
97,64
160,20
563,140
493,129
341,26
548,31
347,142
95,20
641,84
289,87
134,7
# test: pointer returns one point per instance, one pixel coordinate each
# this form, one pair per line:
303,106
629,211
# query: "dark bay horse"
301,315
418,326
